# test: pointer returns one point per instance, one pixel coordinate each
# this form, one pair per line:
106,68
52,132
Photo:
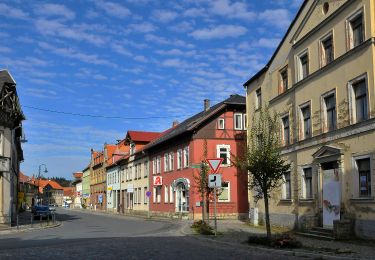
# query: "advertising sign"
158,180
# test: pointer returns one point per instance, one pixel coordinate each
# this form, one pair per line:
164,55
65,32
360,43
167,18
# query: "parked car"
41,211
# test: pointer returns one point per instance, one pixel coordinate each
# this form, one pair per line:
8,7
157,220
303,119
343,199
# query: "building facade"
86,187
11,153
176,156
320,80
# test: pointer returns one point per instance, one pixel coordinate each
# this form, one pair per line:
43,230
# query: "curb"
29,229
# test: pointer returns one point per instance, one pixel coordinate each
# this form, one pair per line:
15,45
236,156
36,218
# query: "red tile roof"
78,175
68,191
141,136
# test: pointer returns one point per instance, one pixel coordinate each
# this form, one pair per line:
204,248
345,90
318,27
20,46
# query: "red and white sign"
158,180
215,164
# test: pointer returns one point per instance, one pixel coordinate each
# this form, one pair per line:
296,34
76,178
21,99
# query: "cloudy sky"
109,67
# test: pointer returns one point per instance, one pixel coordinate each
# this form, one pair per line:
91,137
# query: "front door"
331,197
182,201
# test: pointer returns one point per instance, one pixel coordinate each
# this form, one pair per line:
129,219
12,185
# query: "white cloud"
195,12
176,52
174,63
12,12
267,42
164,16
113,9
54,10
219,32
181,27
144,27
232,10
119,48
140,58
5,49
283,17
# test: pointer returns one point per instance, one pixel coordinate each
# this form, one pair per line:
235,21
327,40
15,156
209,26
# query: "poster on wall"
331,197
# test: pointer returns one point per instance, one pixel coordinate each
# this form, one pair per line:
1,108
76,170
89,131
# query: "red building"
177,154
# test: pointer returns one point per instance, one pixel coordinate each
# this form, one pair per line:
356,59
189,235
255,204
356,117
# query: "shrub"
279,241
202,228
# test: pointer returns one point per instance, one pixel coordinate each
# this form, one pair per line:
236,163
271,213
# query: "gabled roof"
265,68
142,136
197,120
68,191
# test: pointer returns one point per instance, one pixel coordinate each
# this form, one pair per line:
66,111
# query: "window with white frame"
158,164
166,162
136,171
130,173
179,159
258,98
224,195
132,148
286,130
223,151
307,186
237,121
221,123
171,194
287,187
356,29
135,196
157,194
244,121
144,195
303,65
166,193
186,156
171,161
326,49
145,168
305,124
363,171
154,166
139,195
329,111
359,99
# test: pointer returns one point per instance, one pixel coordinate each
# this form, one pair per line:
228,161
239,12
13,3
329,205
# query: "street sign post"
214,181
148,195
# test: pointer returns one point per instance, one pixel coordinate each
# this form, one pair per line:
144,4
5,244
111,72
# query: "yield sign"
215,164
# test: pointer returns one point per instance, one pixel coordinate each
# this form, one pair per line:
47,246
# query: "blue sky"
145,62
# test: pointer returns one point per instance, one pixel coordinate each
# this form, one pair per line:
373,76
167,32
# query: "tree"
262,159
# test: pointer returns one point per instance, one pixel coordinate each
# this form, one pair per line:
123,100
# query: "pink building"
175,158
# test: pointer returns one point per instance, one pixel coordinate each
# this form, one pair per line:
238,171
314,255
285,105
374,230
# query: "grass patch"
202,228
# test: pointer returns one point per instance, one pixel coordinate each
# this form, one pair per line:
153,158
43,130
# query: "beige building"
321,82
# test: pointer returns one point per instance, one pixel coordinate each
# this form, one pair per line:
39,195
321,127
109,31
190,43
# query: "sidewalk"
237,232
26,223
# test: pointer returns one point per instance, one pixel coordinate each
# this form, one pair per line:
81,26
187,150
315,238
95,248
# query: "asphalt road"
95,236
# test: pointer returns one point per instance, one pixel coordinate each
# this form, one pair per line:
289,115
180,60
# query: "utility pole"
45,171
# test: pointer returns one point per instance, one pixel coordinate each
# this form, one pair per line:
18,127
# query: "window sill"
307,200
286,200
363,200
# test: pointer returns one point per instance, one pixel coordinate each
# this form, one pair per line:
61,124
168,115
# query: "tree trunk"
207,208
268,225
203,207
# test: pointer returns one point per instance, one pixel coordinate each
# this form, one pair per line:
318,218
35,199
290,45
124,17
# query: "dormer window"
132,148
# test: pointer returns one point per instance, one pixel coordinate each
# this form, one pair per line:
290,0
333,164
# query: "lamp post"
45,171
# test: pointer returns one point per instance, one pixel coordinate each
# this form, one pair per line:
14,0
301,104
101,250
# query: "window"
364,175
244,121
1,143
139,195
287,187
221,123
158,164
303,65
286,130
166,162
171,197
307,192
327,50
136,171
179,159
356,30
223,151
144,195
330,112
237,121
145,168
171,161
186,156
258,98
157,194
358,98
166,193
154,166
225,192
283,80
305,131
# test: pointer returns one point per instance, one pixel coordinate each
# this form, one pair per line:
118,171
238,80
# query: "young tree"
262,158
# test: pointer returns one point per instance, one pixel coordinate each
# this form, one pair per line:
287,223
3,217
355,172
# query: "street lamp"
45,171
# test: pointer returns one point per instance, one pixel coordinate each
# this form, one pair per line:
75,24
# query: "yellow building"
321,82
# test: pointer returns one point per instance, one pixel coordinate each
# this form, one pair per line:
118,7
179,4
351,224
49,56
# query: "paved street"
92,236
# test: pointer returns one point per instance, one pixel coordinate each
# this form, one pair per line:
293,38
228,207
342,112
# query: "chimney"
175,123
206,104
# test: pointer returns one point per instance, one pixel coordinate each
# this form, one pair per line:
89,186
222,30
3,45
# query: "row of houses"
320,80
155,172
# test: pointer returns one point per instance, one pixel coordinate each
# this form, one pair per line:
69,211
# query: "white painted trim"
301,128
228,200
324,123
235,115
219,123
351,98
349,31
299,64
355,182
227,147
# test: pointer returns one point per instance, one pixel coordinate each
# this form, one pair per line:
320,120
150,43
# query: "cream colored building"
321,82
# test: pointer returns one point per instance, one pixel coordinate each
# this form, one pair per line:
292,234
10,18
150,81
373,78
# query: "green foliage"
203,228
60,180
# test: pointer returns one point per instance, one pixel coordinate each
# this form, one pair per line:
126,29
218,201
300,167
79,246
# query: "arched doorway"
181,189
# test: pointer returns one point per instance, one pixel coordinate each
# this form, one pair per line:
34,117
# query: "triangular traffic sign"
215,164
